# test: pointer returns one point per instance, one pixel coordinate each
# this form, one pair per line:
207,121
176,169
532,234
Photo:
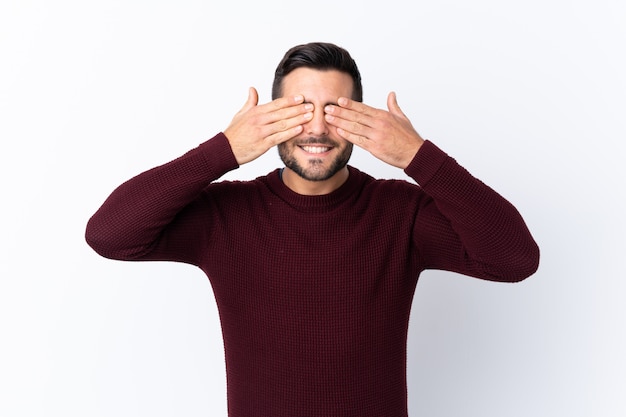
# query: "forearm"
493,239
136,213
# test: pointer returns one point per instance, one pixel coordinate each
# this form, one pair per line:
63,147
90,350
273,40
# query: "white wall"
529,96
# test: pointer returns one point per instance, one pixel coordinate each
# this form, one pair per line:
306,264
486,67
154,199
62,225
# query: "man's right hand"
257,128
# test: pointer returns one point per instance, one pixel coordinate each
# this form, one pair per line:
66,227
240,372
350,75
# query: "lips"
315,149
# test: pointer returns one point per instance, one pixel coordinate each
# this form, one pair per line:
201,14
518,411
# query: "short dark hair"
320,56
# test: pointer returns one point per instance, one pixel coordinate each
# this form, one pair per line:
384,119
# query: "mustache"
321,140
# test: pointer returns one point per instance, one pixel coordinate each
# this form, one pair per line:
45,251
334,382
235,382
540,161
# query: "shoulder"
238,189
392,192
384,185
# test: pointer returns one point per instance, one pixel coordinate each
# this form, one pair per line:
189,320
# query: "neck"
303,186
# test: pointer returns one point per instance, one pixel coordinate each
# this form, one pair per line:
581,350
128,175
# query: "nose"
317,126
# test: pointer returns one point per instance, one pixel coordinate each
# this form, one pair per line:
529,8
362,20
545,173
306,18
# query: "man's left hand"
388,135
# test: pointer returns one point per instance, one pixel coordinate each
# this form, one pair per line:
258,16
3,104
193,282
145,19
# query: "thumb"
392,105
252,101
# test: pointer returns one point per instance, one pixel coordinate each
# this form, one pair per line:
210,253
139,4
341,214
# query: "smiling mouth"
315,149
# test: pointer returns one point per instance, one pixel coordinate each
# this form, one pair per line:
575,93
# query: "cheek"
335,135
288,144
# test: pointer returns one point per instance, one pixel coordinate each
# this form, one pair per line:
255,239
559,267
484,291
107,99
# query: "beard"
314,169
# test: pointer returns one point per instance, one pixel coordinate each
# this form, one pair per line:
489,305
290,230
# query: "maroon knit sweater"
314,292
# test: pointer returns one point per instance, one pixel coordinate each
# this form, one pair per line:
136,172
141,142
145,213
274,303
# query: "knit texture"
314,292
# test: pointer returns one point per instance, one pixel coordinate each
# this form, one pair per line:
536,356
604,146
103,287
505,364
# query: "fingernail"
308,106
342,101
298,99
329,109
308,116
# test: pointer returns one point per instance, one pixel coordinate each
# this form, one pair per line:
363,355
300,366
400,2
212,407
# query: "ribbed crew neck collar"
316,202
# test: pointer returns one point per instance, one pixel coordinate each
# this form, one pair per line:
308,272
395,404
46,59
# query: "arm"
151,215
464,226
132,220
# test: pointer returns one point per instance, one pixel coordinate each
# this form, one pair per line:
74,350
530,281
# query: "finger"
304,109
282,102
284,135
288,123
357,106
352,111
350,125
355,138
252,101
282,108
253,96
392,105
346,102
357,126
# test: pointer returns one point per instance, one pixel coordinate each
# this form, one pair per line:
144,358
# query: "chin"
313,169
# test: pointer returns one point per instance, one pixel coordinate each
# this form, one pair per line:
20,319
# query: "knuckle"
259,132
277,138
256,119
281,116
282,125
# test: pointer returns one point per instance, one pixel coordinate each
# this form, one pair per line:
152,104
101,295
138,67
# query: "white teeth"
315,149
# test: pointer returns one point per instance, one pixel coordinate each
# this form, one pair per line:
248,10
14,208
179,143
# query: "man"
314,266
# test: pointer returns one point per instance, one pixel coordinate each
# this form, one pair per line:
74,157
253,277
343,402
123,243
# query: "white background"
529,96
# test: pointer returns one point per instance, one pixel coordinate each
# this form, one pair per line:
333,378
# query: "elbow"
96,240
110,243
100,241
525,265
514,266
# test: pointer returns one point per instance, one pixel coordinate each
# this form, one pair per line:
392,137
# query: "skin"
307,170
316,110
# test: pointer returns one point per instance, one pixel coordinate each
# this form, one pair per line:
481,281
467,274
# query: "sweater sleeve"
464,226
137,221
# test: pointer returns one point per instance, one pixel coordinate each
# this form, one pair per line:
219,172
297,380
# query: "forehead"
318,85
